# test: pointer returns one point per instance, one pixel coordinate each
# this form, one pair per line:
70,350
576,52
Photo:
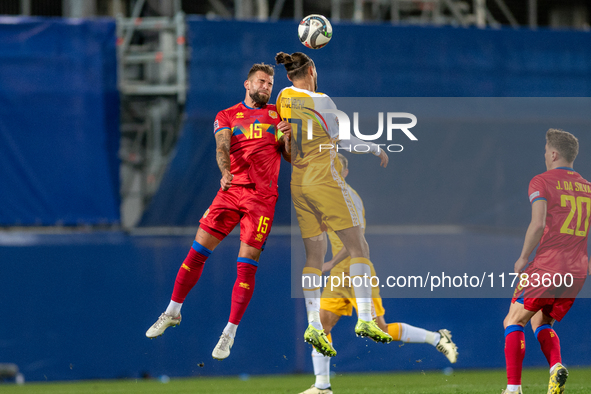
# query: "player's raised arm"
534,233
332,123
222,140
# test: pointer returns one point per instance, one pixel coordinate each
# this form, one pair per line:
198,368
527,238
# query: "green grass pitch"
430,382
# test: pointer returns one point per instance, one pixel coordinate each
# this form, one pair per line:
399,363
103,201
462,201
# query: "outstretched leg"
186,278
441,339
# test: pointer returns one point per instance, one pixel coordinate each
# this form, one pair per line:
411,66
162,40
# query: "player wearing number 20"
561,209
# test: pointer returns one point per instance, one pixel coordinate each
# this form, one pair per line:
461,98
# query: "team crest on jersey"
273,114
216,124
206,213
239,115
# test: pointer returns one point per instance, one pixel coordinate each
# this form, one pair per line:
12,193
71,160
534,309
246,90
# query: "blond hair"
565,143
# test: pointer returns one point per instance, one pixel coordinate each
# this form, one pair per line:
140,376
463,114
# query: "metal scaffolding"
152,58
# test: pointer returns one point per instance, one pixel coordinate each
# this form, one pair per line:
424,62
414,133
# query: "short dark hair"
296,64
266,68
564,142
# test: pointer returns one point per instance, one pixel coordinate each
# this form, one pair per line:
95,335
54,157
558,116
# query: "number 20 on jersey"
576,207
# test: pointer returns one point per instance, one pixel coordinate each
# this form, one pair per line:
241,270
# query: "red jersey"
255,153
563,247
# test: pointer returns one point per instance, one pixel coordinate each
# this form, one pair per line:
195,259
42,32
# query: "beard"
259,99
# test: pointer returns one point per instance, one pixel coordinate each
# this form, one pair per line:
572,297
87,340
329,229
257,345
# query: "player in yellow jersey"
321,198
339,301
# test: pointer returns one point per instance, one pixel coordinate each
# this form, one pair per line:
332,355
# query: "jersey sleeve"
278,104
537,190
332,122
221,122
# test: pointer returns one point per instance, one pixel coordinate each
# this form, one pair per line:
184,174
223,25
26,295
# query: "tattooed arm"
222,140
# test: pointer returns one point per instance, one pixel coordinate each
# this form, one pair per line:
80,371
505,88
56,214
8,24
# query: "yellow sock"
395,331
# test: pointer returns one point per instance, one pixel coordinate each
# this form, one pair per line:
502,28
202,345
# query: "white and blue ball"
315,31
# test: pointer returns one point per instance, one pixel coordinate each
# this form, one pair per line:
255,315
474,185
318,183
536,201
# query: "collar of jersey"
564,168
243,103
305,91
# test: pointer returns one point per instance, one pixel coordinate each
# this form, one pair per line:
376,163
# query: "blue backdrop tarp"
387,61
59,122
88,320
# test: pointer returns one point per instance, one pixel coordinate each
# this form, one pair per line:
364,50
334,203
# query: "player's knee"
249,252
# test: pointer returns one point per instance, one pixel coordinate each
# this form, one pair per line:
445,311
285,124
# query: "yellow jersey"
311,129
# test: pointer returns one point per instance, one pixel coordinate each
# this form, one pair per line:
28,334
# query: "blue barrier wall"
80,304
387,61
59,122
77,307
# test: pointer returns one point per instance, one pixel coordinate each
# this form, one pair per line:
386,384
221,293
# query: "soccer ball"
315,31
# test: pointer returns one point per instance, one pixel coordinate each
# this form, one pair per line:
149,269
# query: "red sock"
243,288
514,353
189,272
549,343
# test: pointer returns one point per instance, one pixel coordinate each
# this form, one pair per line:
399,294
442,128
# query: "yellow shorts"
344,306
340,300
324,207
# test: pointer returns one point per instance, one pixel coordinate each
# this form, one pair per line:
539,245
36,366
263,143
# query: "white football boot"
316,390
222,349
163,322
447,347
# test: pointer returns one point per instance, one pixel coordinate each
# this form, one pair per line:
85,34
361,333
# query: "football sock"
513,387
514,353
432,337
311,281
321,370
243,288
189,272
395,330
360,278
231,329
174,309
549,343
407,333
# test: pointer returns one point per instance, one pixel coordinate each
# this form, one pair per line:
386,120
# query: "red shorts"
553,301
242,205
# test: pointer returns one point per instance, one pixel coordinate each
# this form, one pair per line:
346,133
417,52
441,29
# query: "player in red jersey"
561,208
250,139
